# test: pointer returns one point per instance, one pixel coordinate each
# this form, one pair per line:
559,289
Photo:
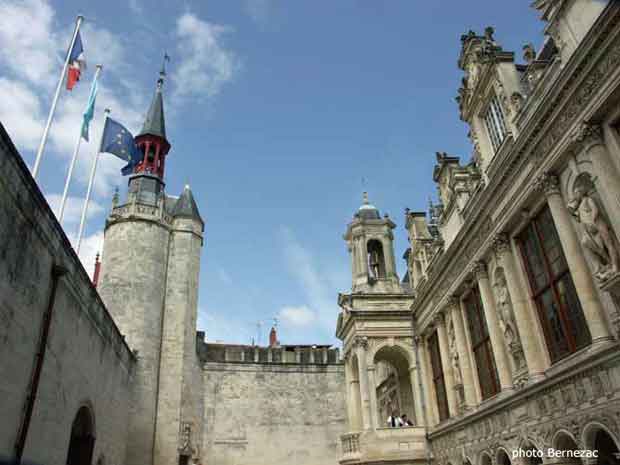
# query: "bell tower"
371,244
375,327
152,140
149,284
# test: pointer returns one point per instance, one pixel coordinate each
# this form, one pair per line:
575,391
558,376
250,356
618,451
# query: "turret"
370,242
149,283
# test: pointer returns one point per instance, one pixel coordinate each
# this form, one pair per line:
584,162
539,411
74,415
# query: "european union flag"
118,141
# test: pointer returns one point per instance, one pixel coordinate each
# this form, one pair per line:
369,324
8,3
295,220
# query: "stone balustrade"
384,444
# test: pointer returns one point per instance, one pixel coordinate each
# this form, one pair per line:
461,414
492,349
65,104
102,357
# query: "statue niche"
596,235
376,260
507,320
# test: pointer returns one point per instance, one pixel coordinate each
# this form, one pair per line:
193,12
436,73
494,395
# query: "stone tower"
370,242
375,326
149,283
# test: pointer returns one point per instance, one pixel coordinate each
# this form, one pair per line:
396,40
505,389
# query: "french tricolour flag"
77,62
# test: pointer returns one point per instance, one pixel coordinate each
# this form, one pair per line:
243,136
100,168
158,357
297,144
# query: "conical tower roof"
155,124
186,207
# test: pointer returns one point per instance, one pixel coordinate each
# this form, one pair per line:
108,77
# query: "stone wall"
268,413
86,361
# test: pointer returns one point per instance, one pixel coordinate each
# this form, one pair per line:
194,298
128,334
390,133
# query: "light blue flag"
89,113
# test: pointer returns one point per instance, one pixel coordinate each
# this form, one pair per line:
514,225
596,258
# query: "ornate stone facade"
514,283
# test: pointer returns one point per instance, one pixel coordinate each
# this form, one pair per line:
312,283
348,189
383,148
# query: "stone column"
372,392
575,258
472,359
388,257
524,319
464,353
604,171
495,333
445,365
361,344
352,394
429,387
414,377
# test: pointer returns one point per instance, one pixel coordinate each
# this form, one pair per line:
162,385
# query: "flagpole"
37,161
73,159
90,184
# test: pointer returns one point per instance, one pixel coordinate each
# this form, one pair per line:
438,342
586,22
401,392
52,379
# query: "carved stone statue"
596,236
529,52
373,264
454,356
504,307
516,100
507,321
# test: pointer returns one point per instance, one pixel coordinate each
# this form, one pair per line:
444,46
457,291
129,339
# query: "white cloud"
90,247
220,327
31,60
205,65
297,316
29,45
73,208
316,284
22,115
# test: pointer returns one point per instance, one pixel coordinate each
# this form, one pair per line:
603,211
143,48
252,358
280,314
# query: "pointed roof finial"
365,198
154,123
162,73
115,198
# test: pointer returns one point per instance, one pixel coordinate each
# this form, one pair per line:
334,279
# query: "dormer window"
494,120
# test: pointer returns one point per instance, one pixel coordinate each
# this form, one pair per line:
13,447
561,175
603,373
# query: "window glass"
552,287
438,378
481,344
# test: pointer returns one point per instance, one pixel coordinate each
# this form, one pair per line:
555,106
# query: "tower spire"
152,139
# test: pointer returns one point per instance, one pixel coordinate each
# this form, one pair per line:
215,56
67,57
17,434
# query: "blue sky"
275,111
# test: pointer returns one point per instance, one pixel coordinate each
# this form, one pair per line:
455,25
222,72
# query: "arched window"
502,458
393,385
82,442
567,444
376,259
533,455
598,438
486,459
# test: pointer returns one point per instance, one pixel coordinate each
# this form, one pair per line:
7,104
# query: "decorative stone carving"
596,235
454,355
516,101
361,341
529,52
479,270
507,321
501,244
185,443
548,184
588,135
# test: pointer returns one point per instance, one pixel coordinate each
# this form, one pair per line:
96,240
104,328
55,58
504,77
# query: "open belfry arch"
375,326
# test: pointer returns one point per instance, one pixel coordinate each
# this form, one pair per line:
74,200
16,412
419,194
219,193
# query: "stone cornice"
593,62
